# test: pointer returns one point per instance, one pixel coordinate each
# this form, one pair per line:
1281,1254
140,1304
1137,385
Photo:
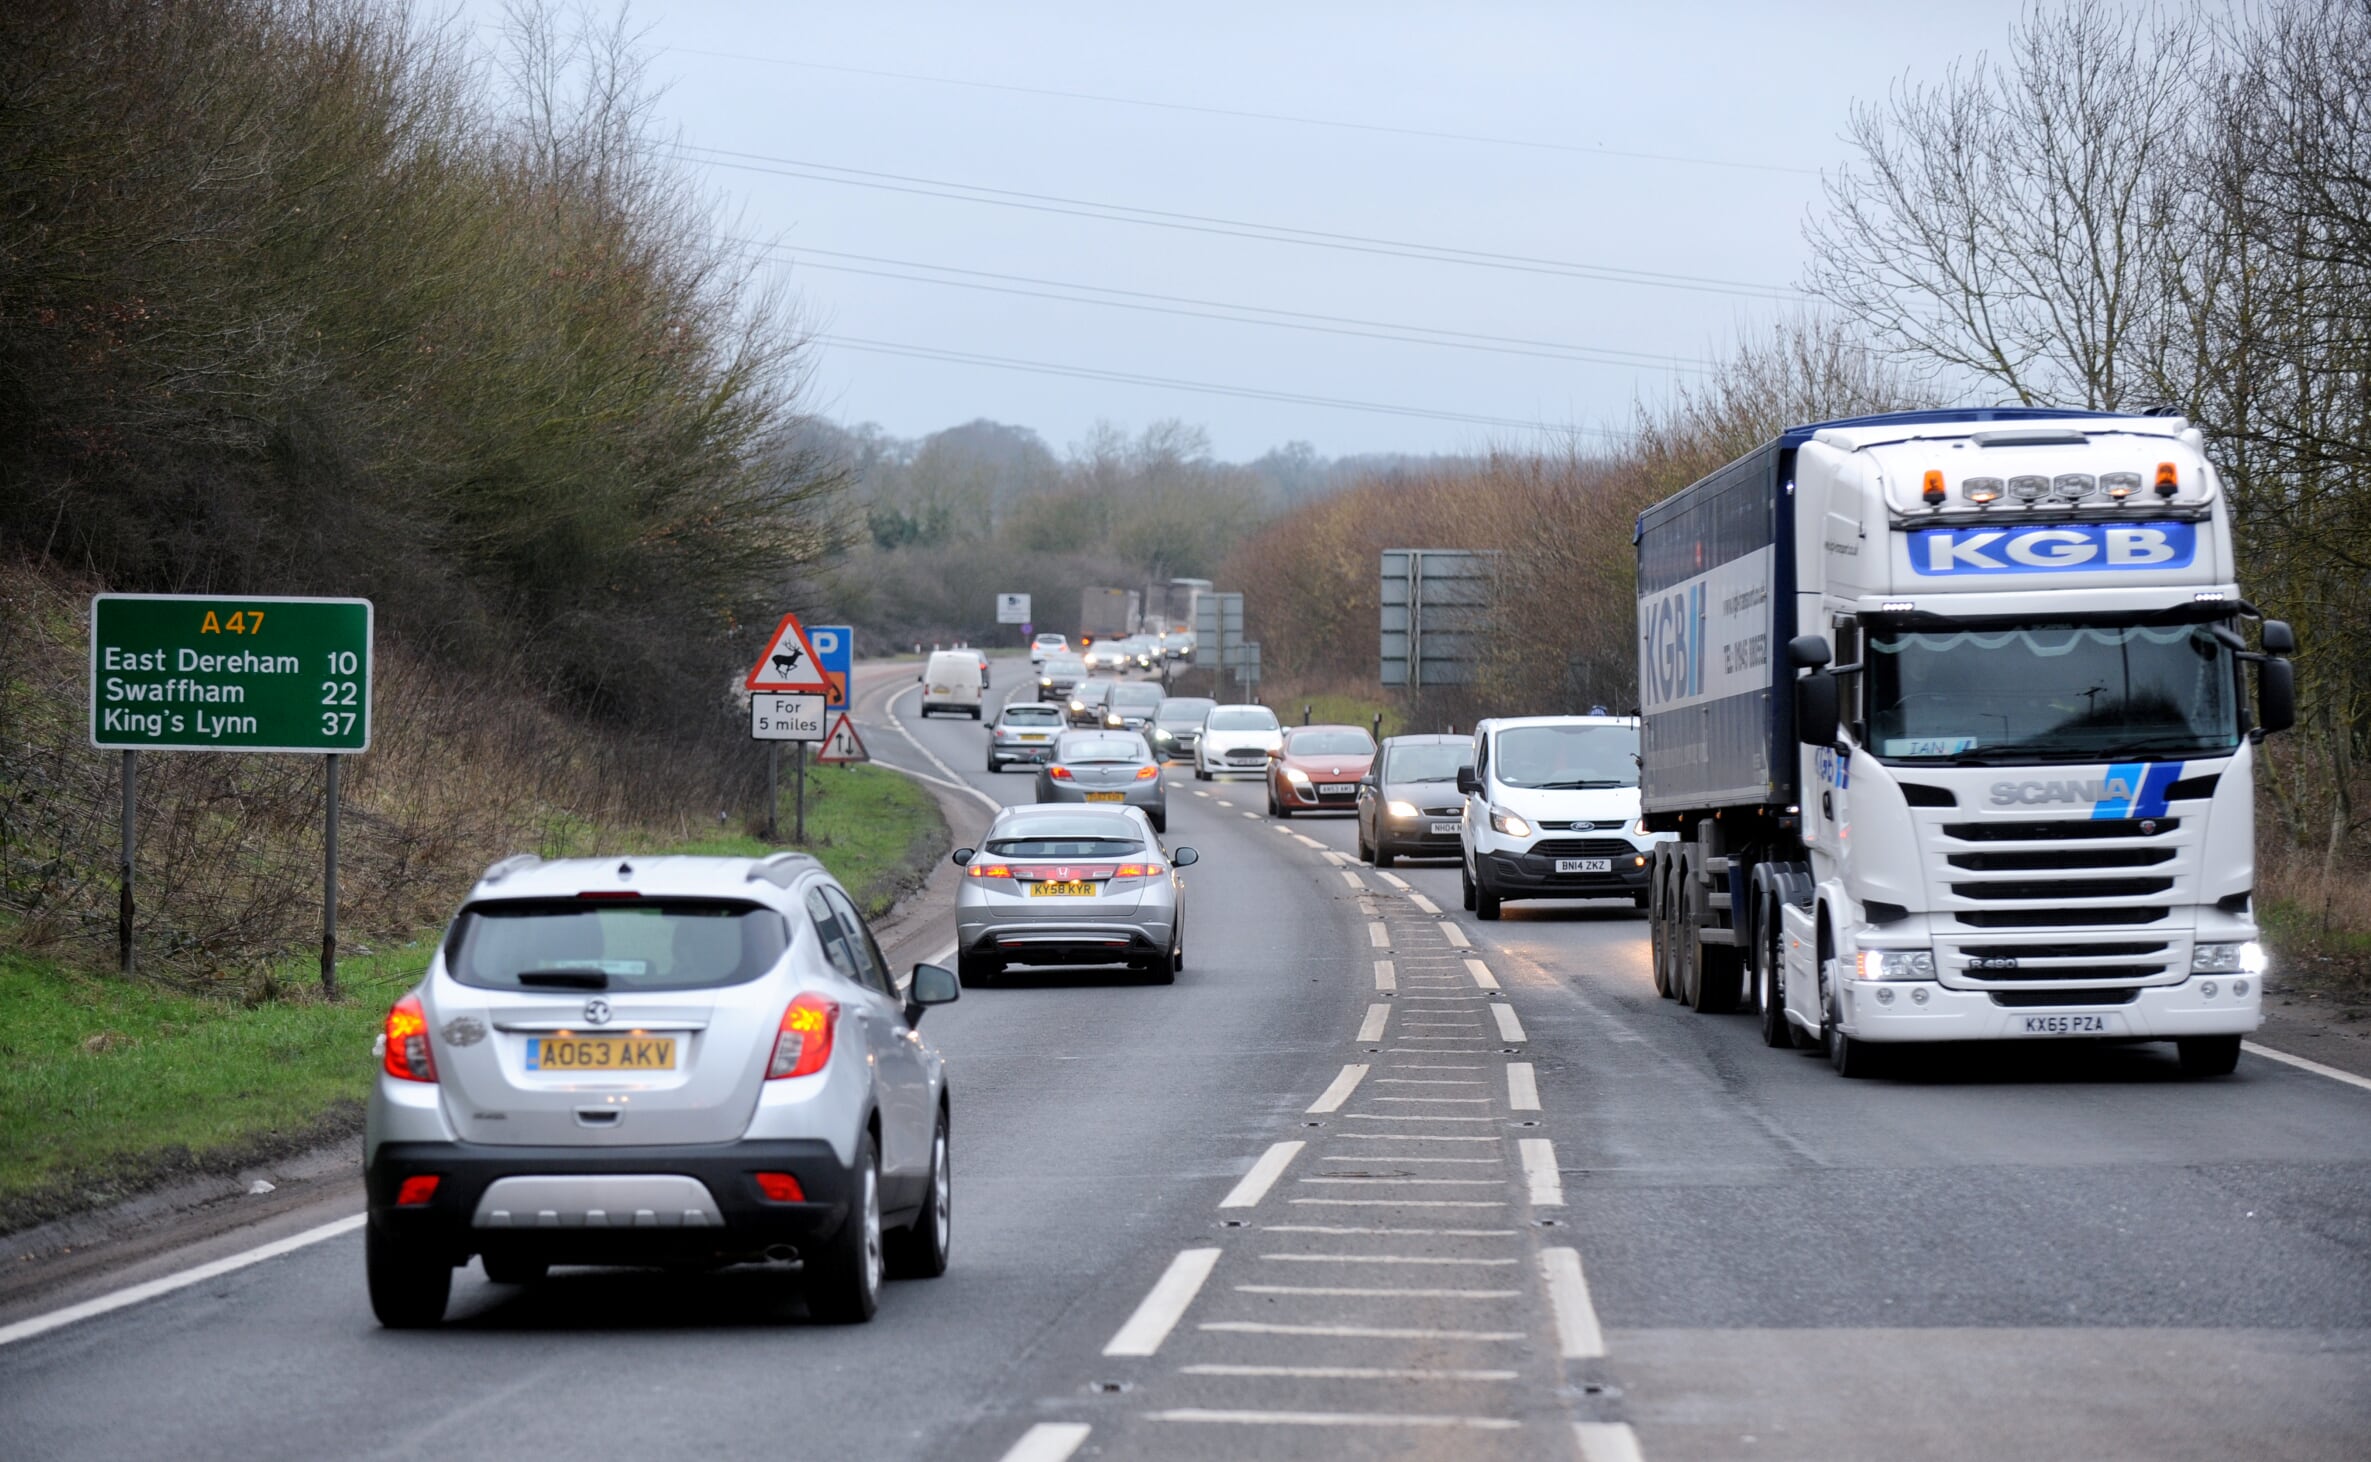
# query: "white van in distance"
951,683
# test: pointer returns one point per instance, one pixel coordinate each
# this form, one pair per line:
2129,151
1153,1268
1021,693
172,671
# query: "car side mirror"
932,985
2276,695
1467,782
1816,714
1184,857
2279,639
962,856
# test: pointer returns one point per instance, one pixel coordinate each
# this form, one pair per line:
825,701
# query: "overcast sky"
1676,140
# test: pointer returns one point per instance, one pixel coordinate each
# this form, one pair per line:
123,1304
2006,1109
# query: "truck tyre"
2208,1055
1658,927
1852,1059
1778,1032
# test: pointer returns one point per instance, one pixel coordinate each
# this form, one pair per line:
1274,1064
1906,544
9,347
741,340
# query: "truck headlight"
1503,821
1402,809
2225,959
1896,964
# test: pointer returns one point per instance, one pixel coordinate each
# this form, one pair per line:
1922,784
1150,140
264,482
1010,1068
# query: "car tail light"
1059,774
1146,774
1138,870
781,1188
804,1043
990,870
417,1190
408,1056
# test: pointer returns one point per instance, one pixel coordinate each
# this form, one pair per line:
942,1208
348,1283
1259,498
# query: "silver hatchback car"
658,1061
1070,886
1106,766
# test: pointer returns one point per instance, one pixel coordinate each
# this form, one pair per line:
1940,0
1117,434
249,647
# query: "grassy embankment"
108,1085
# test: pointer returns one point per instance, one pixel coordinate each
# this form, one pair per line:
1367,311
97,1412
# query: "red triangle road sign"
787,664
843,744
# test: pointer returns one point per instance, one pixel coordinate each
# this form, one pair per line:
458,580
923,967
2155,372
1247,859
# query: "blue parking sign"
834,652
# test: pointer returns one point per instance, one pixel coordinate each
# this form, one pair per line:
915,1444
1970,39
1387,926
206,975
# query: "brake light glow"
408,1056
781,1188
990,870
417,1190
1059,774
1138,870
804,1043
1146,774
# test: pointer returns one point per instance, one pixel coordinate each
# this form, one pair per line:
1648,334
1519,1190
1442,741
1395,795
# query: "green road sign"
192,672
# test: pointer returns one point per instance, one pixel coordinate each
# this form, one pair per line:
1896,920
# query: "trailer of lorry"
1105,613
1951,714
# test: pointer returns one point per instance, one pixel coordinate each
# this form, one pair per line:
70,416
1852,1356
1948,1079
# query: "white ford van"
951,682
1551,812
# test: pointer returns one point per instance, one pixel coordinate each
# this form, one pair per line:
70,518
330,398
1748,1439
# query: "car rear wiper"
565,979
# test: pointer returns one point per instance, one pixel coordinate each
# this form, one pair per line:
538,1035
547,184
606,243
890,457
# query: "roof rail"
783,869
508,866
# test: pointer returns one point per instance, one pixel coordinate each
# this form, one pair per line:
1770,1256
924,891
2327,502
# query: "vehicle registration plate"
2068,1025
1584,865
1033,736
1337,789
1107,796
1060,890
601,1053
1444,829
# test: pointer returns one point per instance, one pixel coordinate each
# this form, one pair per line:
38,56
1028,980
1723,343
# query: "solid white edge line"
1509,1027
1540,1171
1607,1441
955,778
1386,976
1254,1185
1378,1016
124,1298
1577,1334
1165,1304
2316,1067
1339,1092
1523,1090
1481,974
1049,1441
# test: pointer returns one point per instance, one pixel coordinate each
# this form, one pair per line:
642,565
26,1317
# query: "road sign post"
203,672
789,688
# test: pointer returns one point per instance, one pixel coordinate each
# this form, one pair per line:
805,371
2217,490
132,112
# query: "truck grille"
2085,972
2058,829
2016,999
2062,962
2060,951
2047,859
2063,888
2045,918
1582,848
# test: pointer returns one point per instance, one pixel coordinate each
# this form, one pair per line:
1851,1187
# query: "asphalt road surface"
1374,1179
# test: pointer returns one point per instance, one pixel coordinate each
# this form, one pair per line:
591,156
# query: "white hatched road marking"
1049,1441
1356,1332
1540,1171
1421,902
1386,977
1331,1099
122,1298
1352,879
1393,879
1400,1182
1456,936
1403,1137
1406,1117
1264,1173
1481,974
1423,1233
1335,1419
1461,1101
1304,837
1165,1304
1348,1373
1364,1157
2316,1067
1378,1016
1424,1080
1397,1202
1577,1335
1523,1091
1383,1259
1607,1441
1508,1025
1378,1292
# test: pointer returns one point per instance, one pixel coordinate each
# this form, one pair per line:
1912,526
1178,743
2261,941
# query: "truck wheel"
1778,1032
1852,1059
409,1284
1658,927
1712,972
2208,1055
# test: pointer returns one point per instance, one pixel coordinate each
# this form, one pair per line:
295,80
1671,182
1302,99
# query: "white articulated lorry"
1951,712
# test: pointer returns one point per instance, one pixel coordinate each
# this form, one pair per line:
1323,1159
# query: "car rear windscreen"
1087,836
1032,715
613,944
1103,748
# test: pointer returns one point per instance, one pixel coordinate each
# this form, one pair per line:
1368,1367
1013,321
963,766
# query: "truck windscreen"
2051,692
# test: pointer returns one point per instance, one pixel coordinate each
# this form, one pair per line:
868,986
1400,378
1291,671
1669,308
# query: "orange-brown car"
1319,767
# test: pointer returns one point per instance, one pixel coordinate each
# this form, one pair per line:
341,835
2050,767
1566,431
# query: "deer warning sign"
842,744
788,664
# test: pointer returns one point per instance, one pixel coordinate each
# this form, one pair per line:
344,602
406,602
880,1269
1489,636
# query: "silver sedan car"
1070,886
669,1062
1106,766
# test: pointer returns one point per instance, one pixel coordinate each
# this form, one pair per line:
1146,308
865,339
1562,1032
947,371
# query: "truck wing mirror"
1809,652
2276,695
2279,639
1815,707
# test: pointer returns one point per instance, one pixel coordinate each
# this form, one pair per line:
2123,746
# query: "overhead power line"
1225,311
1480,138
1229,227
1208,388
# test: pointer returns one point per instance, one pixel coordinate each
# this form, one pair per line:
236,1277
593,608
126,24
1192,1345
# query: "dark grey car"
1130,705
1409,805
1177,725
1113,767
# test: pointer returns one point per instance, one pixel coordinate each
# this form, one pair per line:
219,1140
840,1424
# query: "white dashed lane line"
1508,1026
1394,880
1386,977
1456,936
1378,1016
1523,1092
1379,936
1545,1180
1577,1335
1420,901
1331,1099
1166,1304
1481,974
1263,1175
1049,1441
1606,1441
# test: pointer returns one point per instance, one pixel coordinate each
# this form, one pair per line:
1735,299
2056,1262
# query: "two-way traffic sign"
843,744
788,664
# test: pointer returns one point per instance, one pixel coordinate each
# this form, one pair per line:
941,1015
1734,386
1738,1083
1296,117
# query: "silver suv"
658,1061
